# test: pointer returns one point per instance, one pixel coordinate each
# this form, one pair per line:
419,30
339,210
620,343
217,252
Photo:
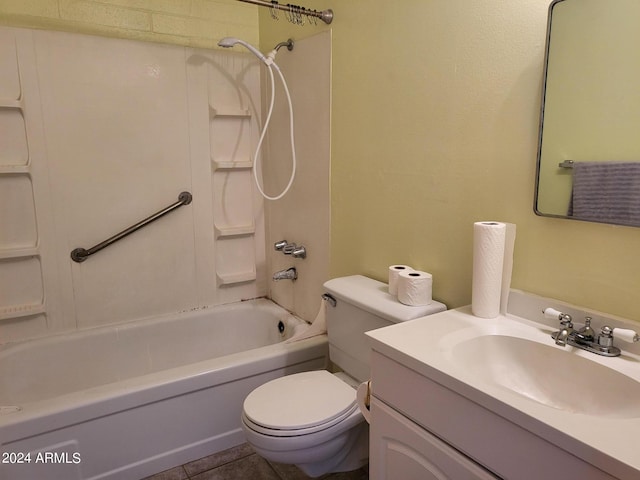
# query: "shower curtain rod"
295,13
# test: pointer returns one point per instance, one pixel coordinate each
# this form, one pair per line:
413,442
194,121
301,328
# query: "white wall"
115,130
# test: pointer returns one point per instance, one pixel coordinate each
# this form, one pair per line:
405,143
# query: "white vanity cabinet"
401,449
424,430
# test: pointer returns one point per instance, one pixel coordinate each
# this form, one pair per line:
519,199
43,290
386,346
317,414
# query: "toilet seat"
299,404
279,432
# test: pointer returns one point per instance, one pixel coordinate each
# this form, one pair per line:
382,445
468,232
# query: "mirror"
589,145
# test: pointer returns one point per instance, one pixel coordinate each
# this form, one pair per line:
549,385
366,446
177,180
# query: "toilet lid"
300,401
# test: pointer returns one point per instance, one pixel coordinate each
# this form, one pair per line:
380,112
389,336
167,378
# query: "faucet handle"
626,334
605,339
299,252
289,248
565,318
606,336
552,313
280,245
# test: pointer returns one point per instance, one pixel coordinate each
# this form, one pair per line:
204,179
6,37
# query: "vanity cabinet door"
401,449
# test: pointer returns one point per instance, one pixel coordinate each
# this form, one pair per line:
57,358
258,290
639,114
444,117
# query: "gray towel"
606,192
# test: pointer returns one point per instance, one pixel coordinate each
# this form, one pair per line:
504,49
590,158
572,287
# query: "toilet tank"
363,304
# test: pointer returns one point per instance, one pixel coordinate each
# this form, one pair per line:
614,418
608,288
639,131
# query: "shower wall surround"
95,135
302,215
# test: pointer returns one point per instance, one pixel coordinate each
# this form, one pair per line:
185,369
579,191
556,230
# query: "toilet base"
356,455
348,451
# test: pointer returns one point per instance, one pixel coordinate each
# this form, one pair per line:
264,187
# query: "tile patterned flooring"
242,463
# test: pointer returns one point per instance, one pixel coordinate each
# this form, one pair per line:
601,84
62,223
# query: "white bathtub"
130,400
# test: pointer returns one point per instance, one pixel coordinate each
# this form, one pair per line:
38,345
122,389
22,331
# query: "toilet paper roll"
415,288
394,271
492,265
363,397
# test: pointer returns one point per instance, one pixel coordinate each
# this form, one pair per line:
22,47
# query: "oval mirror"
589,145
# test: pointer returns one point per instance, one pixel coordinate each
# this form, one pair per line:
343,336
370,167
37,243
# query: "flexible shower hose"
270,66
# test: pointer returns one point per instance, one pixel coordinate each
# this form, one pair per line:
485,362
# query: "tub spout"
288,274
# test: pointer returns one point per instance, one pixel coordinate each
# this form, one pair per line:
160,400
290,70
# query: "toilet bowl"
312,419
308,419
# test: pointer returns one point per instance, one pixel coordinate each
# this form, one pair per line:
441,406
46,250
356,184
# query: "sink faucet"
563,334
561,337
585,338
586,334
288,274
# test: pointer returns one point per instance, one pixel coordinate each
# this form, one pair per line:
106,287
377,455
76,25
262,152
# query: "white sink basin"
507,376
550,375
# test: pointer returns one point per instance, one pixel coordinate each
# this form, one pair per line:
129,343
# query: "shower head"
229,42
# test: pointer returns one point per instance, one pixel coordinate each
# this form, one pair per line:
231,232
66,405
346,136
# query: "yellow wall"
197,23
435,112
434,126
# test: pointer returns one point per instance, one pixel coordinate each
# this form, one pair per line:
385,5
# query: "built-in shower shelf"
230,165
24,252
17,311
238,231
8,103
233,278
229,112
13,169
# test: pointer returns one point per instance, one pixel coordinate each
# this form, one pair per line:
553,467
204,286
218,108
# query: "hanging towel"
606,192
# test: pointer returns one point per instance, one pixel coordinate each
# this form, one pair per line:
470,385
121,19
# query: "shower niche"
234,226
21,282
234,124
233,132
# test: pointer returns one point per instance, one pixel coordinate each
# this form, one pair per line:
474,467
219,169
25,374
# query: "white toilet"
311,419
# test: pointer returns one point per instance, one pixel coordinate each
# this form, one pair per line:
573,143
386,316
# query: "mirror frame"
540,132
541,117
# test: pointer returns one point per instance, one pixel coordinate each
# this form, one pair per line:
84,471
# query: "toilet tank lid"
373,296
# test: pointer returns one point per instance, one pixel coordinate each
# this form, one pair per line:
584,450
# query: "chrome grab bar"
81,254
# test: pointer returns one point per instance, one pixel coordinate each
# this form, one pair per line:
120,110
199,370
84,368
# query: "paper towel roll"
415,288
363,396
507,267
492,264
394,271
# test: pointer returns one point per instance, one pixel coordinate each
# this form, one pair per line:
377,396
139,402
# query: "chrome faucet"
563,334
288,274
585,338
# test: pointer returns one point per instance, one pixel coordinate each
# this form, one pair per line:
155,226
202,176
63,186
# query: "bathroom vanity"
460,397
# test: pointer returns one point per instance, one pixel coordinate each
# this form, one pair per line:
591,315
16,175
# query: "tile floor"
242,463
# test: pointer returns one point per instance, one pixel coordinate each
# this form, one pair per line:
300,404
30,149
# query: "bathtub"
127,401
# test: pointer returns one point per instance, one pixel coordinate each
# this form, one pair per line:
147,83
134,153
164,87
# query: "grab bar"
81,254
